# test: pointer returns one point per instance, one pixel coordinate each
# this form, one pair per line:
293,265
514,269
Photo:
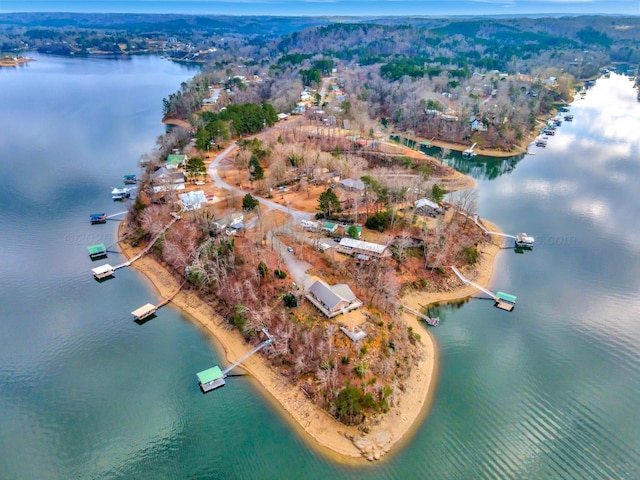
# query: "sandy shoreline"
331,438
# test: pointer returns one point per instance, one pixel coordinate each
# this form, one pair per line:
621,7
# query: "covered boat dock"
505,301
96,218
211,379
144,311
103,271
97,251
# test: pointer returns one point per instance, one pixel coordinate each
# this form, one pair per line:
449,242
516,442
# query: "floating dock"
213,377
96,218
97,251
129,179
142,253
103,271
143,312
148,309
503,301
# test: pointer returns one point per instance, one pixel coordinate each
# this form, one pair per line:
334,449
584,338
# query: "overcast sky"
330,7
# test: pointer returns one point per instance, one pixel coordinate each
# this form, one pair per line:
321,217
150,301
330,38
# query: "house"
477,125
332,300
309,225
332,177
427,207
176,161
192,200
330,227
352,185
165,179
351,246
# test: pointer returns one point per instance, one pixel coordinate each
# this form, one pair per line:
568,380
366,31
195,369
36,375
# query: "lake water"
547,391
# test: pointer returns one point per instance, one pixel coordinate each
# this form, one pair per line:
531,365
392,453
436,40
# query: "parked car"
289,249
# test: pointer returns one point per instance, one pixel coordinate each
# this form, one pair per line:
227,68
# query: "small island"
14,61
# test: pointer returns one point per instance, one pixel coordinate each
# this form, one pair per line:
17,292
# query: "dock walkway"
473,284
476,220
148,247
433,321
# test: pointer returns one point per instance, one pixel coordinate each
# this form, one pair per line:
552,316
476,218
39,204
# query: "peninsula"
257,256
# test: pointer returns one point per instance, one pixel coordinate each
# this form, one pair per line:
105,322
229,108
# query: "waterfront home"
175,161
165,179
332,300
351,246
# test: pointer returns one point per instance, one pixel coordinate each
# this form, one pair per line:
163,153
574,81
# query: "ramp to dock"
433,321
476,220
148,247
473,284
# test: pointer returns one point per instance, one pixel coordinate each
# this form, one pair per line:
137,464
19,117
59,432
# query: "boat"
549,131
524,241
96,218
129,179
468,153
120,193
568,117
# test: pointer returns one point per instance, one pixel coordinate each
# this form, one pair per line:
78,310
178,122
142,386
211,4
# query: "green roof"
206,376
176,159
506,297
96,249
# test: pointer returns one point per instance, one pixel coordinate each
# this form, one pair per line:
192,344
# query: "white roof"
192,200
424,202
102,269
371,247
143,310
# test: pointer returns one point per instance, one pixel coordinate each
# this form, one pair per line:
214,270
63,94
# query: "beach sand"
339,442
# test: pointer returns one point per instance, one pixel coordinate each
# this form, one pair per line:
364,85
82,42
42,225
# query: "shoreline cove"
336,441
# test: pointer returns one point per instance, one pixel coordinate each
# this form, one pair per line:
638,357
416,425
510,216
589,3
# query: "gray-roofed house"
332,300
352,185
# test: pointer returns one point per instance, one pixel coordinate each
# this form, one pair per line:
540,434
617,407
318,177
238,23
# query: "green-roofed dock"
504,301
97,251
211,379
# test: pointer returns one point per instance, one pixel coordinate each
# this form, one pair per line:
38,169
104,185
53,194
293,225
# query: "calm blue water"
548,391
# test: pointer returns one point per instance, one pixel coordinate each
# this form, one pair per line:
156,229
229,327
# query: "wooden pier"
433,321
503,301
145,250
521,240
147,310
213,377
